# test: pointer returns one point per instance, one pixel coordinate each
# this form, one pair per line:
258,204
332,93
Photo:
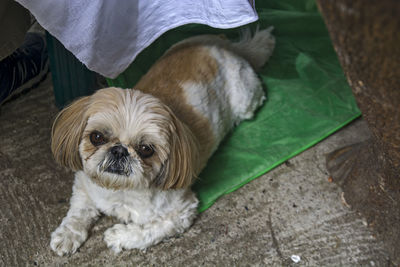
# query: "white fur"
236,92
256,48
149,214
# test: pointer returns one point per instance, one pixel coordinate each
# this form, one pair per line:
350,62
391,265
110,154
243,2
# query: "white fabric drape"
107,35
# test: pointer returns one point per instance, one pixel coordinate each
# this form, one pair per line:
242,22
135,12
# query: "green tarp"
308,96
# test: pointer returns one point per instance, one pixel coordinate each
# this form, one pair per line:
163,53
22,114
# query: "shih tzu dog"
137,151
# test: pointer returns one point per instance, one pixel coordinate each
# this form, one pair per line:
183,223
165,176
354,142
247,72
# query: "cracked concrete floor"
291,211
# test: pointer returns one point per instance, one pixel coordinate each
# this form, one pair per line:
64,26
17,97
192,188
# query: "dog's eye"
97,138
145,151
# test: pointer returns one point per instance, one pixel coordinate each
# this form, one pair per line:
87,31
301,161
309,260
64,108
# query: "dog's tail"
256,48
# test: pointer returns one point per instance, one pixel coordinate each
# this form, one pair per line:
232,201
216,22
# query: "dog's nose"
119,151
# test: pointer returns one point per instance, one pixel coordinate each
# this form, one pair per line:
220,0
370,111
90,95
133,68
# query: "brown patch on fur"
183,62
187,62
200,41
184,160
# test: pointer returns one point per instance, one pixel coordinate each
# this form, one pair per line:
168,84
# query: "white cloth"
107,35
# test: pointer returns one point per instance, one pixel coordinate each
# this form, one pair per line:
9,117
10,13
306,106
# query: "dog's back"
255,48
210,82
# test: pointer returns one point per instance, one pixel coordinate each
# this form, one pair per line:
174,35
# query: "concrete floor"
291,211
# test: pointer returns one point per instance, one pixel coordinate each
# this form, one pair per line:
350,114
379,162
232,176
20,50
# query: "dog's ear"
67,132
182,165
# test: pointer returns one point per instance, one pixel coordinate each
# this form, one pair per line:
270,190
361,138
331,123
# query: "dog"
136,152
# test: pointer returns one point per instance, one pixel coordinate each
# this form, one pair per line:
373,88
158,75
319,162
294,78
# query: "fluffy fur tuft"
255,48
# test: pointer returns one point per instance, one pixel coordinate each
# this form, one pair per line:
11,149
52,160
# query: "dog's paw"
122,236
66,240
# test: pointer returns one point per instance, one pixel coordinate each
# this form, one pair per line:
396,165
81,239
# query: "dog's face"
124,139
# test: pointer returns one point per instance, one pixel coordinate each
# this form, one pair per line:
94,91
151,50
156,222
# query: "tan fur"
67,132
198,42
187,62
183,163
106,99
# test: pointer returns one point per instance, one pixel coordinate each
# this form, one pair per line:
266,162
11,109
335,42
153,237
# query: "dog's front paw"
122,236
66,240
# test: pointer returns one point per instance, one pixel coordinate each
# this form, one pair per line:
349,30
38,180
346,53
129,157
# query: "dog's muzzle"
118,161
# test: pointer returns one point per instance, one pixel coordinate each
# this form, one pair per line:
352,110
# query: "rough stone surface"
291,211
365,37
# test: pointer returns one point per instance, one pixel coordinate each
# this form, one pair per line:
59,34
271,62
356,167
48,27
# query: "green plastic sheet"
308,96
